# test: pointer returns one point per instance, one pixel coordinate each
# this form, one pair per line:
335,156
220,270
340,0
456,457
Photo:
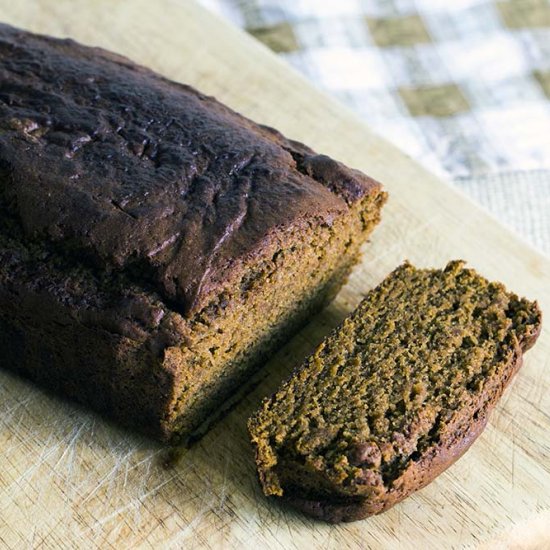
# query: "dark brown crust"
417,476
102,346
127,204
468,426
147,176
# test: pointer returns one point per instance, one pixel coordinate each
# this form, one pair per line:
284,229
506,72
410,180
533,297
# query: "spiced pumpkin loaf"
155,246
394,395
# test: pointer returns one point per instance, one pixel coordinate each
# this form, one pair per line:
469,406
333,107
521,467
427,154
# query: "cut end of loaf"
394,395
232,336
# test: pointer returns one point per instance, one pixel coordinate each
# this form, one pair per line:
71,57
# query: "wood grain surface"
70,479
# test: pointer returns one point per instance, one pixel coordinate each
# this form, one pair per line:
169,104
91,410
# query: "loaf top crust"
140,174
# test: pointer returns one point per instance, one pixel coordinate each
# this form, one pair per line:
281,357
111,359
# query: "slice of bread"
394,395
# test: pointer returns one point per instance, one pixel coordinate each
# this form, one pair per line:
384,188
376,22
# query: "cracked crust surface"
155,246
149,176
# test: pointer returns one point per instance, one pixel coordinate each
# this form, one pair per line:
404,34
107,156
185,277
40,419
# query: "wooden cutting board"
68,478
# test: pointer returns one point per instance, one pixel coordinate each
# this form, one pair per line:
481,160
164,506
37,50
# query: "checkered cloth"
463,86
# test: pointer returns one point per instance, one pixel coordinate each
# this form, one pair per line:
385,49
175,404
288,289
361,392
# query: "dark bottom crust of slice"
420,472
424,471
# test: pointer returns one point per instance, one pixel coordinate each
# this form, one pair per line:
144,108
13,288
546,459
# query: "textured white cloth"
463,86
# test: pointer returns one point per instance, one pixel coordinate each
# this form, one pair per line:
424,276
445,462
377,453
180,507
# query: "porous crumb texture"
156,246
396,394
